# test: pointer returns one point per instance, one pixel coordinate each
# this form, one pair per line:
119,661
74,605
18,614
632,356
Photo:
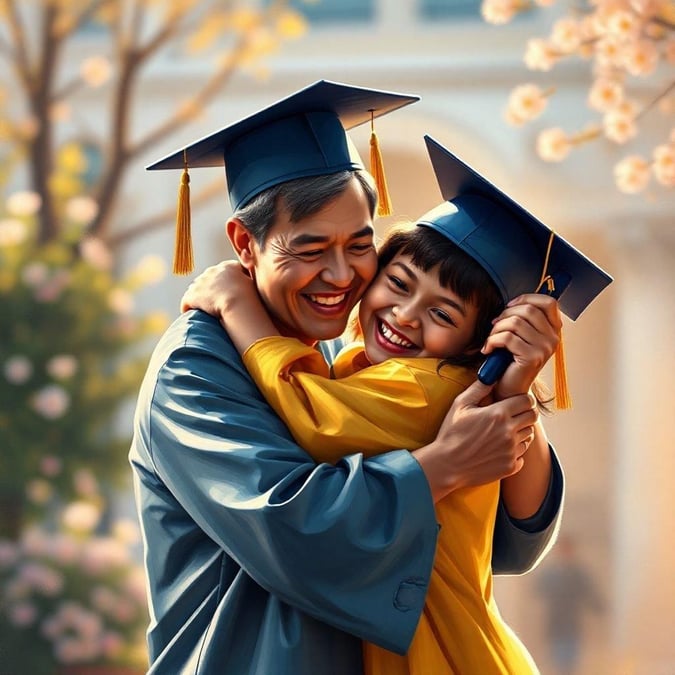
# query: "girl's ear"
242,242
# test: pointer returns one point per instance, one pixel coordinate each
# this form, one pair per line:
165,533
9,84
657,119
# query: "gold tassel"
377,171
183,260
563,399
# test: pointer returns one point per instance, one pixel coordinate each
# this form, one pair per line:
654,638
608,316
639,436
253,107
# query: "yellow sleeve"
392,405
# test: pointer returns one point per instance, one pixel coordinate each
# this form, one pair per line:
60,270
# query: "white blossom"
96,253
632,174
96,70
81,209
81,516
52,401
34,274
553,145
62,366
12,232
664,164
18,369
526,103
24,203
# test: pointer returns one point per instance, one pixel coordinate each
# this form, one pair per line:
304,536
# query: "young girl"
433,302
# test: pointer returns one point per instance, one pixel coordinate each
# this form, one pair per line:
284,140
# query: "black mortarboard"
299,136
508,242
517,250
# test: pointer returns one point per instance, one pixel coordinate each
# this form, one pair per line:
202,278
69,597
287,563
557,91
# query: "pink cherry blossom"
62,366
24,203
632,174
526,103
51,401
566,35
605,94
51,466
81,516
18,369
539,55
553,145
499,12
664,164
618,126
640,57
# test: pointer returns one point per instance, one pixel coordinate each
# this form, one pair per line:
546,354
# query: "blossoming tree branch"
630,47
34,41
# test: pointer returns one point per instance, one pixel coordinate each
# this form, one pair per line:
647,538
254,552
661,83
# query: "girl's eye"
444,316
397,282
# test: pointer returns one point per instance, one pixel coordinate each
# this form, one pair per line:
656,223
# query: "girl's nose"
405,315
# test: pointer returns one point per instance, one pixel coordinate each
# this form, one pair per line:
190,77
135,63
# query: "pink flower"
25,203
566,35
623,24
81,516
526,103
499,12
96,253
631,174
34,274
51,401
9,553
553,145
96,70
62,366
81,209
605,94
39,491
618,126
18,369
85,483
42,578
51,465
120,301
664,164
12,232
641,58
539,55
22,614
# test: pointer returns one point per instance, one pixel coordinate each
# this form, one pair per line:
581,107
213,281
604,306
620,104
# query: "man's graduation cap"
299,136
518,251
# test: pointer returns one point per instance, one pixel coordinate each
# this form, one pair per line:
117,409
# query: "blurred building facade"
614,444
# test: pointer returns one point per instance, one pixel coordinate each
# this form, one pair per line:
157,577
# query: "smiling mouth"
394,338
327,300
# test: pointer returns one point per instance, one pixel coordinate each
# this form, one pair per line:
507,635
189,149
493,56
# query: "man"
259,561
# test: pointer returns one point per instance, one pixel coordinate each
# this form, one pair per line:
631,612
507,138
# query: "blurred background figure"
569,593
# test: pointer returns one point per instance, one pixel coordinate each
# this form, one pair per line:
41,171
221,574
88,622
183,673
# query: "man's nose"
338,272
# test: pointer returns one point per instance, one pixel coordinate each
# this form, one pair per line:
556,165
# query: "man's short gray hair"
302,197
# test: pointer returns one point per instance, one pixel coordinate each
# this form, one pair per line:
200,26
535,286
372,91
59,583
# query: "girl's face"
406,312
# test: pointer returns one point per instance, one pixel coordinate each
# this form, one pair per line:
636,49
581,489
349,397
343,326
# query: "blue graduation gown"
259,561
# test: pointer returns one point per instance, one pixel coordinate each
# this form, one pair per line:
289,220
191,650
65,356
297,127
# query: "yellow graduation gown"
401,403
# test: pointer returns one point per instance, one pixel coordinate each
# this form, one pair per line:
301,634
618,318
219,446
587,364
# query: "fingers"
474,394
544,303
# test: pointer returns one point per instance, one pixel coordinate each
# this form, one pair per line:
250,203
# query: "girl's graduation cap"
518,251
299,136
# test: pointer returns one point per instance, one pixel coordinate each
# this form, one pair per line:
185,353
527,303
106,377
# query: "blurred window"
448,9
319,11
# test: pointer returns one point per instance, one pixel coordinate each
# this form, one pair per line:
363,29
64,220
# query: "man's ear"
242,242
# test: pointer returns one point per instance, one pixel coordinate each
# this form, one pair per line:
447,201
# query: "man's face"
311,273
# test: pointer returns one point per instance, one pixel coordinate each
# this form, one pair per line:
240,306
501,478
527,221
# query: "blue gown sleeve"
351,545
519,545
